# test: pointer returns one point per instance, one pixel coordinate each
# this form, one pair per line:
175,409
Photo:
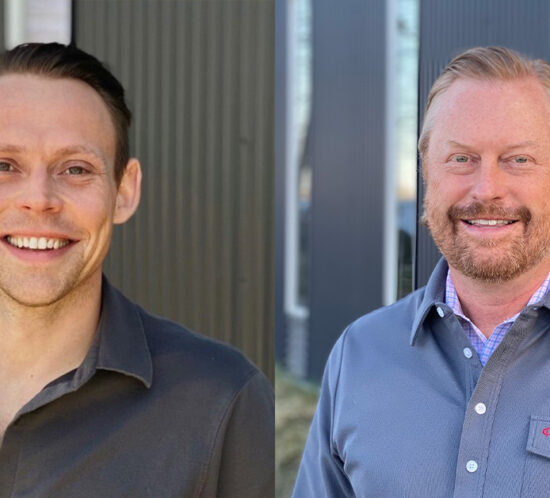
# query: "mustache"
19,222
479,209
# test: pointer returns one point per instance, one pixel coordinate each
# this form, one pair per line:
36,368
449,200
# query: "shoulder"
369,352
182,363
389,321
186,355
376,339
204,403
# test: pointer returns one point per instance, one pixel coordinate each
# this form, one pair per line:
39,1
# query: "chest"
106,438
14,394
436,428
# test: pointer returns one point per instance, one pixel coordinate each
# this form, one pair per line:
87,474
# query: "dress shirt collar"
119,345
434,296
122,344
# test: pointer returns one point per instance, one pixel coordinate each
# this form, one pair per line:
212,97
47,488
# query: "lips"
489,222
37,243
489,215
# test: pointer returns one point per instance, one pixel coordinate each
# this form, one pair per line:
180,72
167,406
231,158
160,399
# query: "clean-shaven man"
97,397
447,392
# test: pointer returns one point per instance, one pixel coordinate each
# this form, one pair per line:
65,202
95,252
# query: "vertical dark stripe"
73,21
280,79
347,154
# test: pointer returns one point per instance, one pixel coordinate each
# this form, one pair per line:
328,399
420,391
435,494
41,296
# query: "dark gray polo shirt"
406,409
153,411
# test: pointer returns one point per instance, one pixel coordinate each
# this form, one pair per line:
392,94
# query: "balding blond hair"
485,64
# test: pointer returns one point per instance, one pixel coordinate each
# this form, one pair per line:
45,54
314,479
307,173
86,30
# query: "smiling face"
487,172
58,196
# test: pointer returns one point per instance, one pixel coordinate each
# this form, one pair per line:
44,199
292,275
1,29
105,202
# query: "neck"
48,341
488,304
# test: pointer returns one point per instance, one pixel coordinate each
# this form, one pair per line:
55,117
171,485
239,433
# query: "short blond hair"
482,63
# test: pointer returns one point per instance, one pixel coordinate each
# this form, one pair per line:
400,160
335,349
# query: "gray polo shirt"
153,411
407,410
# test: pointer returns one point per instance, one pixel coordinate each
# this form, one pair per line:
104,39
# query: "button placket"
476,435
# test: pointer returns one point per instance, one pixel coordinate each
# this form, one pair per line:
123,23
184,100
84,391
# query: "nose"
490,181
39,193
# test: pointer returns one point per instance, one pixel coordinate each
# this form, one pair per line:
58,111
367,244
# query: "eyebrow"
82,149
63,151
521,145
10,148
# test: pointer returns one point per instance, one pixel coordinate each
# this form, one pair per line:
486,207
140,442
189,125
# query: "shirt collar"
434,295
122,342
540,297
451,299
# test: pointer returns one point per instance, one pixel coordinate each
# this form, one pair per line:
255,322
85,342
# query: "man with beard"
98,398
447,392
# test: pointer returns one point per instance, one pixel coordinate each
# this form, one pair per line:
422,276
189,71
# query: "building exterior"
371,64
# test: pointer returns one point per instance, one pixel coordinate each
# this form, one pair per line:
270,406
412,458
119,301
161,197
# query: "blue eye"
520,159
75,170
461,159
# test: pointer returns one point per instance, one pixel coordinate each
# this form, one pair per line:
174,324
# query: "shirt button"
471,466
480,408
440,312
467,352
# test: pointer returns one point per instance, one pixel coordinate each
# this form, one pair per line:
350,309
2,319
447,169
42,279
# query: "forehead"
53,112
477,111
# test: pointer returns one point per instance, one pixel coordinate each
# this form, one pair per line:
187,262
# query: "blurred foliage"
294,409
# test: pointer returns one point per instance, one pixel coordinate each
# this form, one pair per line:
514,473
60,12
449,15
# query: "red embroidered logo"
546,431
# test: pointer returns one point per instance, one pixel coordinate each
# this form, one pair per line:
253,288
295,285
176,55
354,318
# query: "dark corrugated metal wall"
449,27
199,78
347,151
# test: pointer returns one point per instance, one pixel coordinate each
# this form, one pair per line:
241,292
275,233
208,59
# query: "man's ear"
129,192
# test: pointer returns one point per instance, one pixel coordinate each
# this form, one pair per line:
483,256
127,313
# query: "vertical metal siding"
449,27
199,79
347,150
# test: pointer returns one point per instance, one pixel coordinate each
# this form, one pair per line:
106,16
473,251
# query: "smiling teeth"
490,222
41,243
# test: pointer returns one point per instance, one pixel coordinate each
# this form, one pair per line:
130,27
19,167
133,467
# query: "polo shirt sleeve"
245,449
321,472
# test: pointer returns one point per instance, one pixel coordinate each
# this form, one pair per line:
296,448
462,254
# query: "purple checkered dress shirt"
485,346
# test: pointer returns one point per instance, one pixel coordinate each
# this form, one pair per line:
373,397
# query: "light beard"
35,287
36,291
503,260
